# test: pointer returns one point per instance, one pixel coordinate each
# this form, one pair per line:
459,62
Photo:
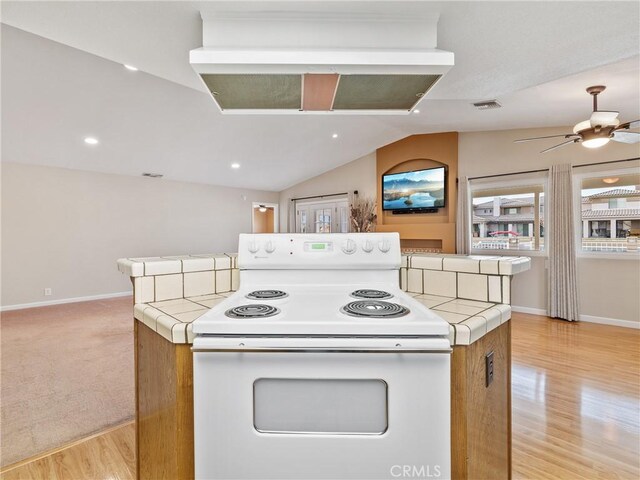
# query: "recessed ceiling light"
130,67
235,165
335,135
416,111
91,141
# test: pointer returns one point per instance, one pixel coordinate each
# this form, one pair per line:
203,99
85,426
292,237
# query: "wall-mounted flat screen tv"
415,191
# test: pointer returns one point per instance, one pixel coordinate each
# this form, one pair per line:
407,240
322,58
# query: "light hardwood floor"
108,455
576,414
576,394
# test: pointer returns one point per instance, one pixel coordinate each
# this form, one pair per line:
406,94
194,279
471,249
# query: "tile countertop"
482,264
149,266
470,315
469,319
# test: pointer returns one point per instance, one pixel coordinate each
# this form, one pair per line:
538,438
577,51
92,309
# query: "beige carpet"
67,372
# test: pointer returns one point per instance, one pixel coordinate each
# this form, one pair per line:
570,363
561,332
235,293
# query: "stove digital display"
318,246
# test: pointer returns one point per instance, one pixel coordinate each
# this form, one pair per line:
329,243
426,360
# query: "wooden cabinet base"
481,413
164,407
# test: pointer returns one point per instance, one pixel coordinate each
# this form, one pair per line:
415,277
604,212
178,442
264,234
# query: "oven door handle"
249,349
323,345
237,344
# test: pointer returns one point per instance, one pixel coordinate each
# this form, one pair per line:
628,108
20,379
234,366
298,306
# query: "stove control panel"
335,251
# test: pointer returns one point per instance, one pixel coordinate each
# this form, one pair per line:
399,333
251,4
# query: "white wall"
65,229
359,174
608,288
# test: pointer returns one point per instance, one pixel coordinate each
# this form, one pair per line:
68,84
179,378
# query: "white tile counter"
472,293
172,318
167,278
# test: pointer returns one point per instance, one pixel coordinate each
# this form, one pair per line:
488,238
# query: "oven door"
292,408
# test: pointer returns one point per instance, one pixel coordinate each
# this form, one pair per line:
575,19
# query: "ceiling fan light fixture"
602,126
596,142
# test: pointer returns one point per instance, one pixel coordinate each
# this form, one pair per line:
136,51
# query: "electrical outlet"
489,368
47,292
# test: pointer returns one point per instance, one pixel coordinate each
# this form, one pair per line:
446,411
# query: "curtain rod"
320,196
546,169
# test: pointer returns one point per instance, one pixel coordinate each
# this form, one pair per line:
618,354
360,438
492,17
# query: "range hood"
319,62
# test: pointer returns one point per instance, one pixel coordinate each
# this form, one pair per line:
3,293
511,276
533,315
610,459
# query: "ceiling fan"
598,130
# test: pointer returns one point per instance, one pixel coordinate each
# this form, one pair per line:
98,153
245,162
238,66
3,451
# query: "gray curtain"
291,216
562,275
463,218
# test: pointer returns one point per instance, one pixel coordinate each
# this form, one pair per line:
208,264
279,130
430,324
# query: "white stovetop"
315,310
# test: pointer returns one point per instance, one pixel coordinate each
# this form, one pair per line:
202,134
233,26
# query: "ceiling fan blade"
573,140
627,125
626,137
604,119
567,135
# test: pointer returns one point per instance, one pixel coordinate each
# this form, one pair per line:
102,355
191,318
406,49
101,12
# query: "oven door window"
320,406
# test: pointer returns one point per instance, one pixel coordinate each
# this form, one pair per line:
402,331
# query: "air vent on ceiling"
152,175
319,62
489,104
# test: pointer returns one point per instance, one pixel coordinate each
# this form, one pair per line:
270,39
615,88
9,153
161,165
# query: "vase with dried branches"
363,214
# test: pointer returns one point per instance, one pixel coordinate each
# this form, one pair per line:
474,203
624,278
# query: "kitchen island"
471,292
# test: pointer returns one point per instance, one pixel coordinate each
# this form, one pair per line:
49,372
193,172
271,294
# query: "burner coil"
374,309
256,310
267,294
371,294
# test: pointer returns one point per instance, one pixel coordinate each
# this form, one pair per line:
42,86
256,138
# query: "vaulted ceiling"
63,80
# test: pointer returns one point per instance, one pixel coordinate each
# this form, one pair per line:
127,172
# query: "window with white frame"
609,219
322,216
509,214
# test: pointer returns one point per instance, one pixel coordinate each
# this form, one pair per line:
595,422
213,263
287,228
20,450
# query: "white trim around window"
578,178
538,182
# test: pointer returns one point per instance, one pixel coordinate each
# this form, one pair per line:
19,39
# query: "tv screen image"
414,190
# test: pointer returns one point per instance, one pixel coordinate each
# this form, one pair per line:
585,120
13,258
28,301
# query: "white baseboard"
532,311
7,308
584,318
610,321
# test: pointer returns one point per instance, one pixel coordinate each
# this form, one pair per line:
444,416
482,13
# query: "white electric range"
319,366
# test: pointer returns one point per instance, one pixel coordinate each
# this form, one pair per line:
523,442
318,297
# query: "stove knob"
349,247
269,247
367,246
253,247
384,246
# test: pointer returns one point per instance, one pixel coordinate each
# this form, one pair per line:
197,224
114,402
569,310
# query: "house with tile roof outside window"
608,219
505,222
611,214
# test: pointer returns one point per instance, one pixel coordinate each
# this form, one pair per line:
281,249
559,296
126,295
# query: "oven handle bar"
240,349
323,345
